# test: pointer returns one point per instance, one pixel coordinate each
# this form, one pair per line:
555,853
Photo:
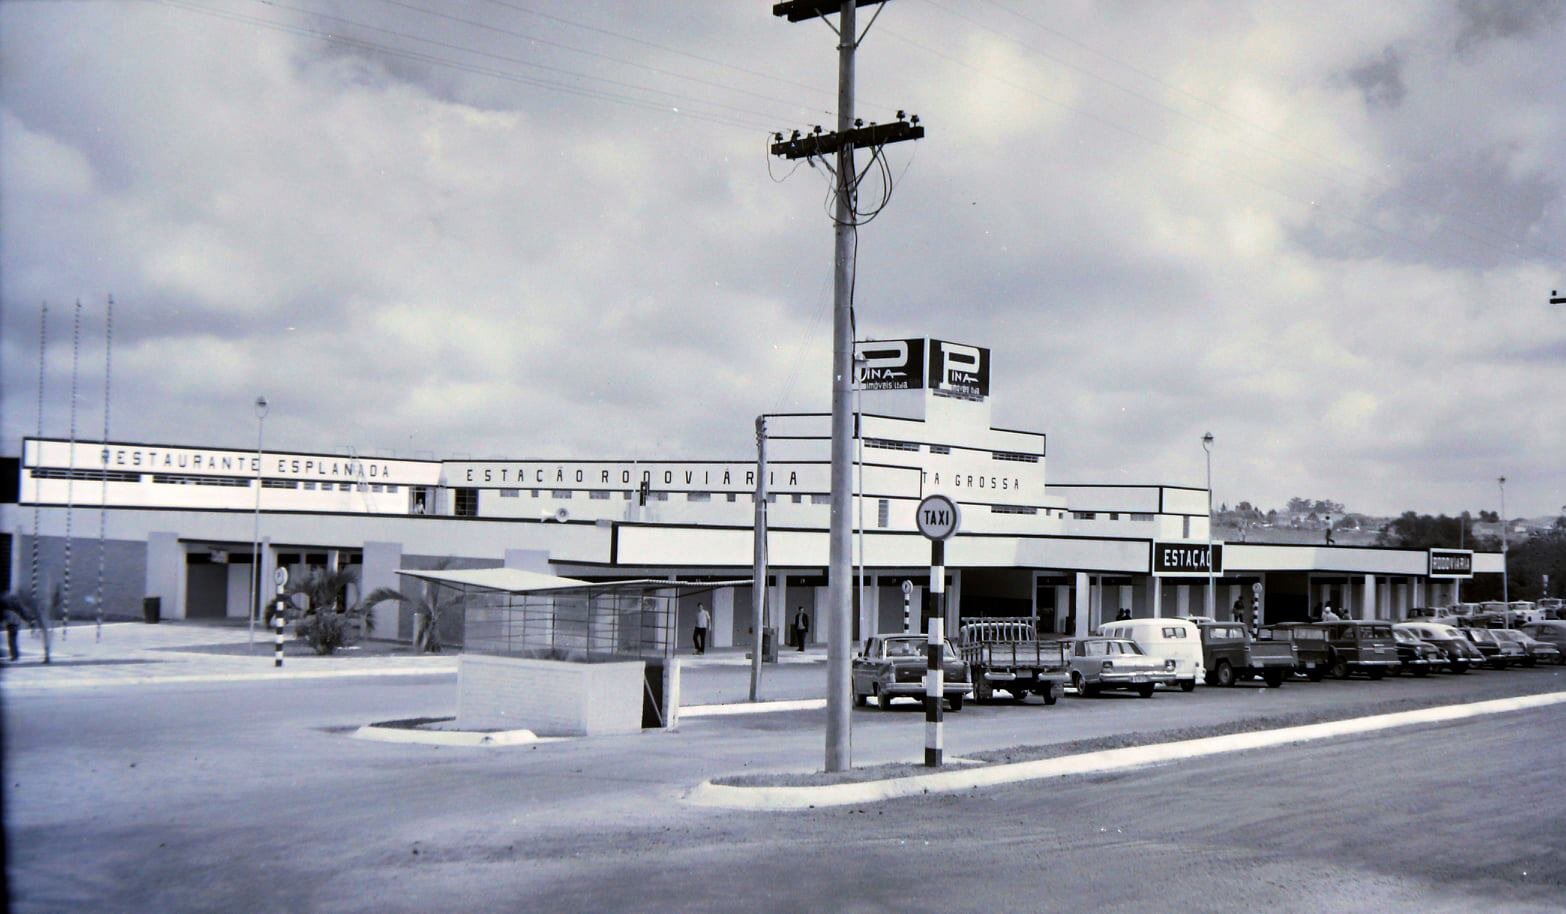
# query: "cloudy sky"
1326,232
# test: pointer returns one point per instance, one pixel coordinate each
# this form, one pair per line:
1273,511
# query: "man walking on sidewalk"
801,627
703,622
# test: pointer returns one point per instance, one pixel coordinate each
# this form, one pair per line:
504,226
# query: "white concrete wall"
549,697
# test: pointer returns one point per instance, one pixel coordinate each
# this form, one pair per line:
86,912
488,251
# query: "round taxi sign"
907,588
937,517
1256,588
280,576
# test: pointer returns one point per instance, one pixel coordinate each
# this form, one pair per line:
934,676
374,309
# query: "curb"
47,685
786,798
753,707
448,737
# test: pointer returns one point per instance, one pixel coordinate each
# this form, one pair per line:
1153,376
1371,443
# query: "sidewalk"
134,653
739,656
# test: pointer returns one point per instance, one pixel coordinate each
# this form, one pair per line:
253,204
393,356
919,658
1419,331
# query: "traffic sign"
938,517
1256,588
908,588
280,576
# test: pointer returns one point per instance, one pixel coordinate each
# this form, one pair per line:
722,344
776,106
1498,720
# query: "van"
1166,639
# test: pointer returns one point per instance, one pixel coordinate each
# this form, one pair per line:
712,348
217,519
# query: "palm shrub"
326,617
428,605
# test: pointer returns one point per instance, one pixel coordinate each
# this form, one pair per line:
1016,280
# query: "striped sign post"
280,608
908,607
938,519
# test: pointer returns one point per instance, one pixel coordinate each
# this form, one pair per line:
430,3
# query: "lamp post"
1212,602
255,538
1506,589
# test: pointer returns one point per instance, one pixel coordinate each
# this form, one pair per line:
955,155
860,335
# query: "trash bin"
769,645
151,609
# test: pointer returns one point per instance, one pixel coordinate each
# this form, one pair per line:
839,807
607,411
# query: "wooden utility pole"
849,135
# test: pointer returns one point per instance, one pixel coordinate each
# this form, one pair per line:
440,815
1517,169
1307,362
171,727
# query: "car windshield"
1508,635
1225,633
1124,647
1375,631
1481,634
1404,635
911,647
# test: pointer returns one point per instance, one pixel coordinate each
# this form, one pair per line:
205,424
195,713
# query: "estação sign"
1174,559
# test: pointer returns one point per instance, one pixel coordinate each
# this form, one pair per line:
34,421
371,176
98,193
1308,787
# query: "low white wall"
549,697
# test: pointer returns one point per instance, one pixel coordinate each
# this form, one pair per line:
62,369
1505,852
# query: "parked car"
893,666
1550,631
1098,664
1360,647
1414,655
1521,612
1008,654
1311,653
1552,607
1497,653
1229,654
1536,651
1461,653
1165,639
1463,610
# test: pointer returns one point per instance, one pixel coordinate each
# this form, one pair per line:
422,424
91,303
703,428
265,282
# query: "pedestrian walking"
13,625
703,622
1239,609
801,627
1327,615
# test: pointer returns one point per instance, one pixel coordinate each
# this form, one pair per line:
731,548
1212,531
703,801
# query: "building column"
165,573
1182,601
1156,587
1367,600
722,617
954,600
1063,605
1082,607
381,561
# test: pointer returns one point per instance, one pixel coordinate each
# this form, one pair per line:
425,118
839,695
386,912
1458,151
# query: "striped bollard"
907,612
934,686
277,620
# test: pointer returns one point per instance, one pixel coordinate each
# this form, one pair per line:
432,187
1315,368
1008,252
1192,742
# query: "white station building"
180,521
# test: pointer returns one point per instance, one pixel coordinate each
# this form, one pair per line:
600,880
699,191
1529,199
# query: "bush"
326,632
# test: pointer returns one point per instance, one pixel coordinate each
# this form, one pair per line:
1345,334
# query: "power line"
437,60
505,58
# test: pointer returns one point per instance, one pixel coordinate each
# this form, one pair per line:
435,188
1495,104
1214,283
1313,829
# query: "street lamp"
255,538
1207,446
1506,589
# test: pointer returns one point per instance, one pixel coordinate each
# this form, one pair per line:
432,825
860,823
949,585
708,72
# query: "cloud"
508,242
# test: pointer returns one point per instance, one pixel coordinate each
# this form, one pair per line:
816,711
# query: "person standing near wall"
703,623
801,627
13,625
1238,609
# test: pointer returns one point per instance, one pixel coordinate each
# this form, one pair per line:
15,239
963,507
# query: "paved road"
249,796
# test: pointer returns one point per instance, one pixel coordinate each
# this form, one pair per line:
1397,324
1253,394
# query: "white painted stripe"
271,675
779,798
450,737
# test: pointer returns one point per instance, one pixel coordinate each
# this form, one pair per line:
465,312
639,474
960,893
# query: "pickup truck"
1008,654
1229,654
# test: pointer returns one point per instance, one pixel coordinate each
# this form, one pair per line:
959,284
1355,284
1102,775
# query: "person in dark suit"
703,622
801,627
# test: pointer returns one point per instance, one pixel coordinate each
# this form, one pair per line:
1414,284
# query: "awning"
515,580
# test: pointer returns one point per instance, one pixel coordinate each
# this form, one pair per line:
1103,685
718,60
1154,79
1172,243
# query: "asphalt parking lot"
250,795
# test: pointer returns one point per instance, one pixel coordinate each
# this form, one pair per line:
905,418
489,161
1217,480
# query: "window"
391,487
698,496
1012,509
559,493
309,485
888,444
234,481
657,496
1113,515
627,494
599,495
730,497
376,487
1173,631
110,475
797,499
270,483
341,487
466,502
1142,517
821,499
883,512
510,493
1015,456
940,449
1185,528
1085,515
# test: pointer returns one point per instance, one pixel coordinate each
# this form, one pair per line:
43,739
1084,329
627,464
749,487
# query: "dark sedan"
1461,654
1537,651
1551,631
1414,655
1497,653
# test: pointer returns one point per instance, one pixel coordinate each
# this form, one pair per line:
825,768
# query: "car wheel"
1421,672
1340,668
1188,685
1458,667
956,702
1050,693
1273,680
982,690
1083,689
860,699
1145,690
1225,673
1315,674
1377,673
883,700
1019,695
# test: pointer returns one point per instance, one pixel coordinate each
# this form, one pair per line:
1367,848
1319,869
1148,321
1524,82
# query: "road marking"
752,707
784,798
429,737
86,682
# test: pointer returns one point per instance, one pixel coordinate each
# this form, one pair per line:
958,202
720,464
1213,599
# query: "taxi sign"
907,588
280,576
1256,588
938,517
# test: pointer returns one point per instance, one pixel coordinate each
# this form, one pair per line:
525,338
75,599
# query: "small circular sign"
1256,588
907,588
280,576
938,517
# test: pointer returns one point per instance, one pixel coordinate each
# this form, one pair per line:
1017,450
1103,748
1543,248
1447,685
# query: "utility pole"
758,583
850,134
